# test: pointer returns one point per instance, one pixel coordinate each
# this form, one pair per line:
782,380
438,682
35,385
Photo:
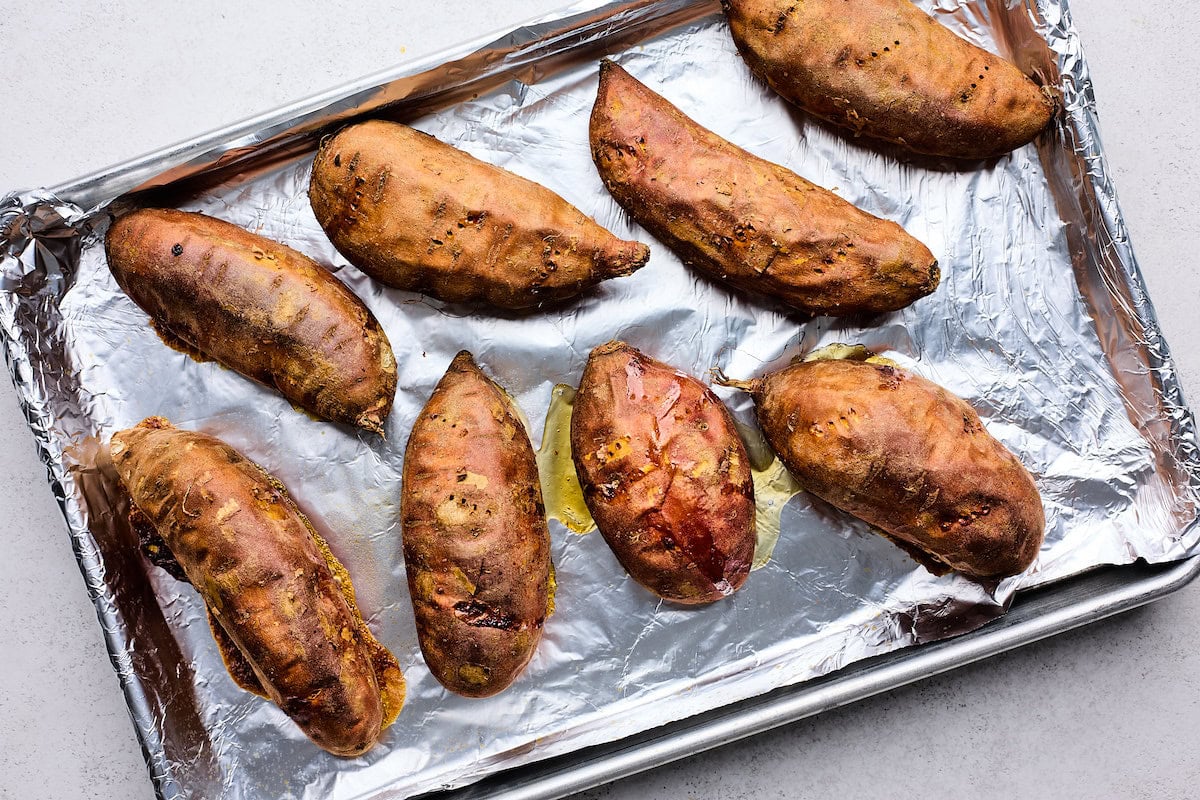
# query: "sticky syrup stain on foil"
845,352
561,492
774,486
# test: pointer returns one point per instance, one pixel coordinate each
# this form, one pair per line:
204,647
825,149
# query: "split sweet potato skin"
745,221
418,214
886,69
476,543
907,456
278,595
665,475
258,307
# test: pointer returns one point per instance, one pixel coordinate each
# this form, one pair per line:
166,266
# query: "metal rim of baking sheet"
1035,615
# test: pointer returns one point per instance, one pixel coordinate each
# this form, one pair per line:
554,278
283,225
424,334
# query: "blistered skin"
476,545
418,214
886,69
665,475
746,221
259,308
275,592
907,456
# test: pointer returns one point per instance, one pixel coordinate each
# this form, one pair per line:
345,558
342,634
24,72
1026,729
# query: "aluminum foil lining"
1041,323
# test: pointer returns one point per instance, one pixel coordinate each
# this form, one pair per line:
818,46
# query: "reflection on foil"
1041,323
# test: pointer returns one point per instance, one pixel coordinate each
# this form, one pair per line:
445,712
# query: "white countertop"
1112,710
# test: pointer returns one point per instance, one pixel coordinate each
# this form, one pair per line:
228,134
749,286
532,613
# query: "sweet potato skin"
269,581
907,456
886,69
417,214
258,307
665,475
476,544
743,220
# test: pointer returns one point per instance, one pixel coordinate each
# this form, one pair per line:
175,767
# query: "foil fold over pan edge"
184,732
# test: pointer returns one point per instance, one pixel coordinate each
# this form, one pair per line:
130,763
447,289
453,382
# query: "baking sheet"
1040,323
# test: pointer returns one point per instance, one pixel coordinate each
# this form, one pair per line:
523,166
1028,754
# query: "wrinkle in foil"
1041,323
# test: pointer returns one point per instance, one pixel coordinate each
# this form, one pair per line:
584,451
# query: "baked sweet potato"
907,456
281,606
665,475
476,545
418,214
743,220
886,69
259,308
